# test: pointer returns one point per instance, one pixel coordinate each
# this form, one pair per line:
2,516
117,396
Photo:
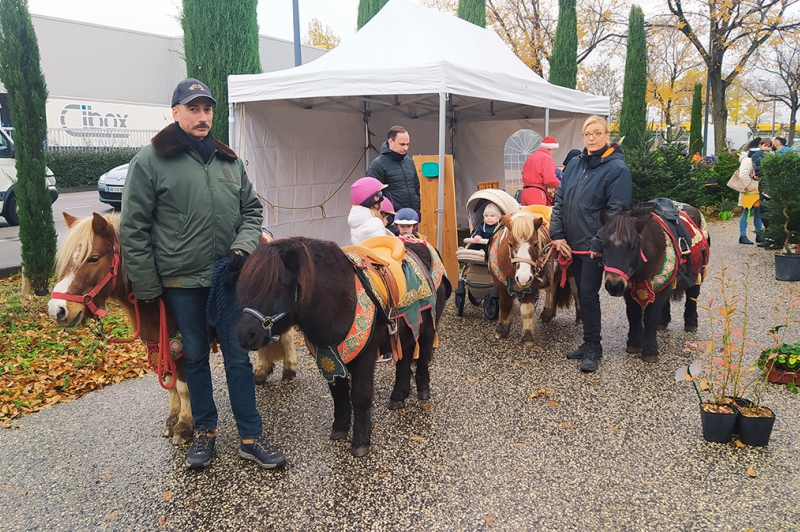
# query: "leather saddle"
381,258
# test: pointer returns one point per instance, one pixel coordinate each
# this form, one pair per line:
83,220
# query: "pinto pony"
314,285
521,265
91,271
647,262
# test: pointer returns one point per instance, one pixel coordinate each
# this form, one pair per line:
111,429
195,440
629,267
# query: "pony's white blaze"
524,273
58,304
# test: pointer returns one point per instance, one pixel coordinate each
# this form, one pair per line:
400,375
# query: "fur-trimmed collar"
169,142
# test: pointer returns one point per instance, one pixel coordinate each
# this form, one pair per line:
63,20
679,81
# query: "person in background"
779,145
750,174
387,211
597,181
395,169
365,218
187,204
574,152
539,174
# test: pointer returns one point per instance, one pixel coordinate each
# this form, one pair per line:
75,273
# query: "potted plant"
725,207
782,364
781,181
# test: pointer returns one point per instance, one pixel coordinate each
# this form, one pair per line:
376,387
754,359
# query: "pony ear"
69,219
297,259
100,225
506,220
537,223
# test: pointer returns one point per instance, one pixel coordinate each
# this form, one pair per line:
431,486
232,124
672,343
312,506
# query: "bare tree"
726,35
783,67
602,79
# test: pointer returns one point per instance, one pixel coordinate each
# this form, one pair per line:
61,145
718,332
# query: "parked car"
110,186
8,178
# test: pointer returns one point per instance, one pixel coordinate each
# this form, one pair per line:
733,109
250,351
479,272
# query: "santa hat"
491,207
550,143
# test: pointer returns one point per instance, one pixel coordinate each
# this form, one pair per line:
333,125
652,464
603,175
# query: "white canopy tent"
454,86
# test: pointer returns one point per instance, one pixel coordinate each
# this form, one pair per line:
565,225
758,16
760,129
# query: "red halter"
88,299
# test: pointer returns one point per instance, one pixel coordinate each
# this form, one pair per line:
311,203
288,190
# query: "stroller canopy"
477,202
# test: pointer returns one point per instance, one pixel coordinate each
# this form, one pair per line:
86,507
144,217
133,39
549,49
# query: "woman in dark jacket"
596,181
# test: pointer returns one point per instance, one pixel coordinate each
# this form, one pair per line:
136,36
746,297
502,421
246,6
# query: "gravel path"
619,449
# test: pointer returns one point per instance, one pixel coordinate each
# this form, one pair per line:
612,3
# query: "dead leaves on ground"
46,364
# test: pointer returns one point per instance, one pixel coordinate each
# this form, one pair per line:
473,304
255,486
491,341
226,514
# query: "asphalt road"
78,203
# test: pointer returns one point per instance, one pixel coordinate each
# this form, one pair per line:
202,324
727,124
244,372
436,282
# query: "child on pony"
407,221
365,218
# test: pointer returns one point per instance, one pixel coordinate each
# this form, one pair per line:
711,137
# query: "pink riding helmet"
363,189
387,207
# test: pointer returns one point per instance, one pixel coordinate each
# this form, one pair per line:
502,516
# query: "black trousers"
588,275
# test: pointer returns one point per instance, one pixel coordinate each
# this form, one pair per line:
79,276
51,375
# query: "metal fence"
93,139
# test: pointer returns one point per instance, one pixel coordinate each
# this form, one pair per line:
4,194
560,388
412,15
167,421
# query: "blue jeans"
755,215
189,307
589,278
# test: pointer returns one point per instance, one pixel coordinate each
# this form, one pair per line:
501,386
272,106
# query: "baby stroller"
474,280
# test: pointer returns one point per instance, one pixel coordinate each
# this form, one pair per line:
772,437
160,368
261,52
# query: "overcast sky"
159,16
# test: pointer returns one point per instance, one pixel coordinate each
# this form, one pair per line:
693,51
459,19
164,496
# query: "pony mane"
623,225
261,275
77,246
522,226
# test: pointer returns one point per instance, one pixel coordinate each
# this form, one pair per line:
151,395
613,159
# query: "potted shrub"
725,208
781,181
782,364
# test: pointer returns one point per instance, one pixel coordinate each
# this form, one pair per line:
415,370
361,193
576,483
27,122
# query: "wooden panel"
429,196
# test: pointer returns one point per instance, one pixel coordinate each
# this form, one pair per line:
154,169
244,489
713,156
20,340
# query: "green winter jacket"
180,216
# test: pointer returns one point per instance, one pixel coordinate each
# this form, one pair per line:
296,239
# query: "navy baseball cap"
189,89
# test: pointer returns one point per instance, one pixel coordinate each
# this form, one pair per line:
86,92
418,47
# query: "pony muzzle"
616,281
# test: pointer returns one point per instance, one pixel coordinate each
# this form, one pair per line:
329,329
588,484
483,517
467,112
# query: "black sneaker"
202,448
579,353
262,453
745,240
594,352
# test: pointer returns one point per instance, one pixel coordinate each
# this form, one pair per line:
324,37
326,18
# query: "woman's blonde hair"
595,119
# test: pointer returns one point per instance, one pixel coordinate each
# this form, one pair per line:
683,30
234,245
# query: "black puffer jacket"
397,171
592,184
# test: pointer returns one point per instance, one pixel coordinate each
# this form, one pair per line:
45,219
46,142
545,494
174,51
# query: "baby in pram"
485,230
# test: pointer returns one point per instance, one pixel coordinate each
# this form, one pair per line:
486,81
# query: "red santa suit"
539,174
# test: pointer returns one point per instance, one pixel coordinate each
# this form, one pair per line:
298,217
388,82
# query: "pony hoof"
578,321
259,378
338,435
182,434
690,327
546,317
650,359
424,395
396,405
167,433
360,452
289,377
633,350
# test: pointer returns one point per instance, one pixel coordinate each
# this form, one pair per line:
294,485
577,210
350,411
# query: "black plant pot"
740,403
755,430
718,426
787,267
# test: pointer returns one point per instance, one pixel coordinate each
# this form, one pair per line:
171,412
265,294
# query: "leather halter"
268,322
88,298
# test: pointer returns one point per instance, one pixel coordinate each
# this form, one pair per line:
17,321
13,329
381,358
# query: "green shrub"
781,182
76,168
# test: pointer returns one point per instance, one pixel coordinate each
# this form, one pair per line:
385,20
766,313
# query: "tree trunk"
719,111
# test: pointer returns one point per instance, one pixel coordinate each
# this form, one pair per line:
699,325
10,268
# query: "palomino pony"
647,263
91,267
521,265
314,284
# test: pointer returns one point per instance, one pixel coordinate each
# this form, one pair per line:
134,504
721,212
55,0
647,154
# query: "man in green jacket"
187,204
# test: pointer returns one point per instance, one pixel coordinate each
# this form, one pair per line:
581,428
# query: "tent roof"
407,49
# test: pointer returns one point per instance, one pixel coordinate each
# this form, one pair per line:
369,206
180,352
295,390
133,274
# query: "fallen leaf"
534,395
417,438
191,504
613,429
162,521
471,380
479,338
739,444
489,520
555,404
566,425
167,495
751,473
520,444
111,516
526,366
595,383
427,406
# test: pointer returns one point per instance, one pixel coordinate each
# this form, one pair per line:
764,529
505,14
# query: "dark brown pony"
643,263
311,283
90,254
521,266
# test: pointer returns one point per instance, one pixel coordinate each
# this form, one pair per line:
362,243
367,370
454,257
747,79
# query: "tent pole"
442,131
366,140
547,122
231,127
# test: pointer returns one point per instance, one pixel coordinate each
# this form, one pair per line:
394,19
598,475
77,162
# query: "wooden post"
429,199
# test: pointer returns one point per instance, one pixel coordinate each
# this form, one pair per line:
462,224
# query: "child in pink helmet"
365,219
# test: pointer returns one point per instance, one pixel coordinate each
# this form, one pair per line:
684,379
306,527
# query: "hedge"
76,168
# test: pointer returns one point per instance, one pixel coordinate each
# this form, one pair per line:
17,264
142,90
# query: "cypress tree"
473,11
368,9
696,125
633,114
220,39
22,76
564,59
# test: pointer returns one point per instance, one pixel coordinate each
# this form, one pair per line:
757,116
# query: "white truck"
735,137
8,178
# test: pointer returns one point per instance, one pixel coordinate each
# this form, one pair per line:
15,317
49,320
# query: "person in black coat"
596,181
393,167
